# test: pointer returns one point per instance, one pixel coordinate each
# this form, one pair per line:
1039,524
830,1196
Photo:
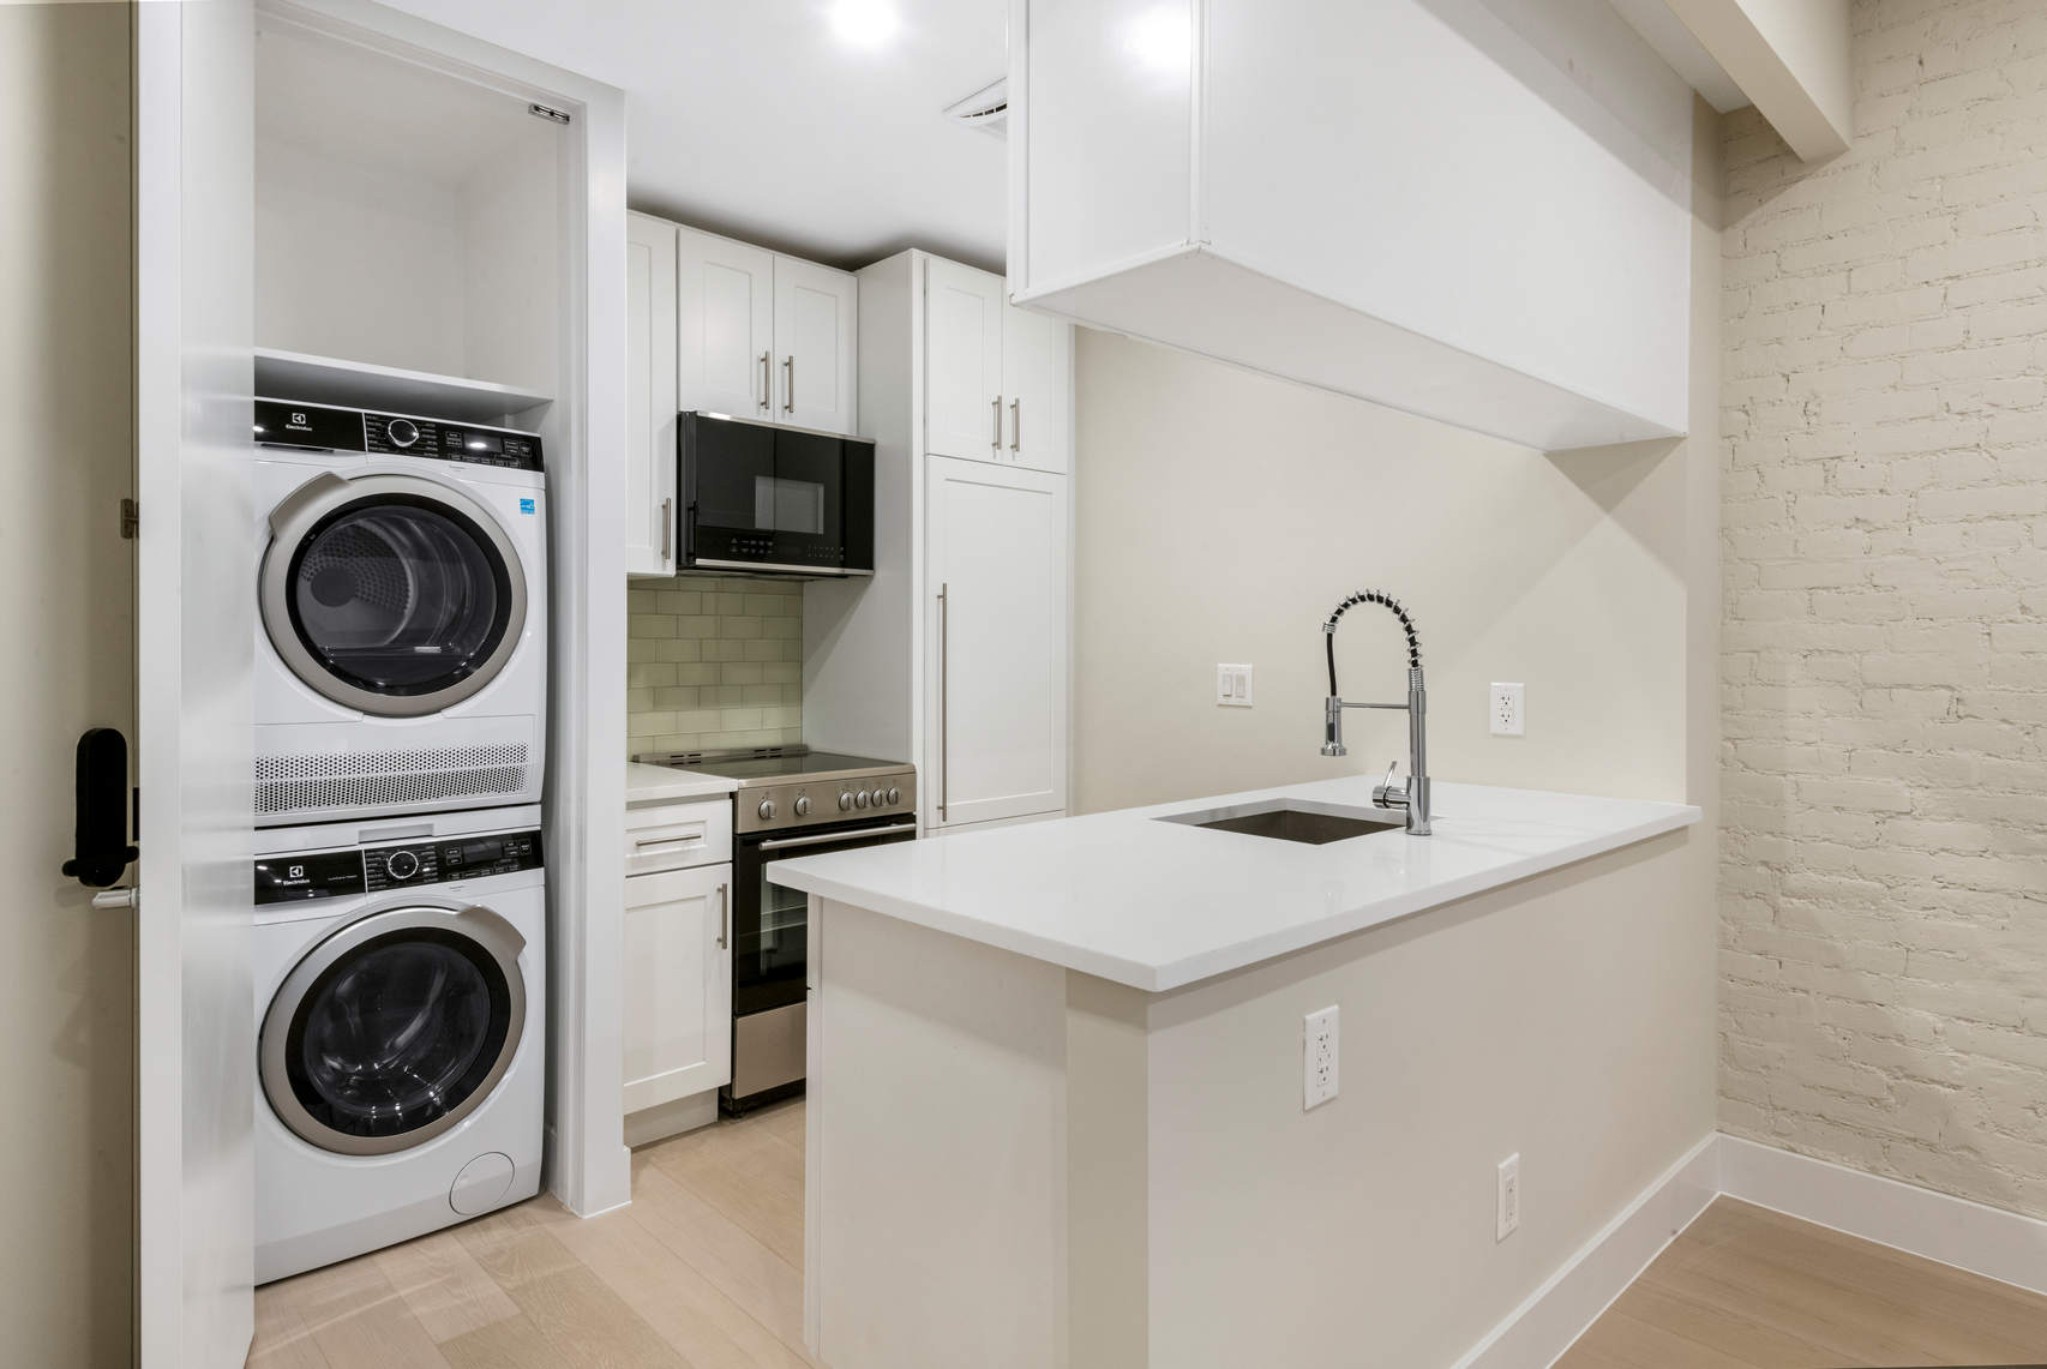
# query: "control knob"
401,865
895,796
401,432
803,805
863,798
766,810
845,800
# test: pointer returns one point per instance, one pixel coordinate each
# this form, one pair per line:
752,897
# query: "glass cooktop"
767,767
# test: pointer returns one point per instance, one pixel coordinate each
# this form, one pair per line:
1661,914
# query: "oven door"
764,498
771,923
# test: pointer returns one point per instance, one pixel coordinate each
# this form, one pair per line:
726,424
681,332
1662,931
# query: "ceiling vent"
985,110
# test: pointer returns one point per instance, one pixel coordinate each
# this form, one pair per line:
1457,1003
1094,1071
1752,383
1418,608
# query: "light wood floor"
703,1271
1746,1288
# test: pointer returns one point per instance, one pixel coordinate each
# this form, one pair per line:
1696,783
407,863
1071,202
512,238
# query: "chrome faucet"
1414,795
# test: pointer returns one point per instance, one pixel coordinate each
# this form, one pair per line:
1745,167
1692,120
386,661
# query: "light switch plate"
1233,686
1509,710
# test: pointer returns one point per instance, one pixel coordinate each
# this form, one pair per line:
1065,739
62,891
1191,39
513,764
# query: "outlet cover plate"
1508,1208
1318,1058
1509,710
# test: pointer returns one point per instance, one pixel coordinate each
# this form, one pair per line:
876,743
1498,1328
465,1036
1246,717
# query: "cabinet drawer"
675,836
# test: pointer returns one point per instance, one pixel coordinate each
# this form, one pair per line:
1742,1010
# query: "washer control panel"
322,427
313,875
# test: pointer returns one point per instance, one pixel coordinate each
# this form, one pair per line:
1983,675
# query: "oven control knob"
803,805
845,800
863,798
766,810
401,865
402,432
895,796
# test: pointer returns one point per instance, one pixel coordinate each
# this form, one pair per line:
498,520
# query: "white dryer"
401,640
401,984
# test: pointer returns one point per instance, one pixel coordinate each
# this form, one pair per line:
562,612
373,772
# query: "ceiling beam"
1791,58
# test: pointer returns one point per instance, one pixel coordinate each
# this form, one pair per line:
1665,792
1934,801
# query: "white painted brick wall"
713,664
1884,886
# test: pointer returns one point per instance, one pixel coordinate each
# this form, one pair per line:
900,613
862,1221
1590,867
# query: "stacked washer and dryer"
401,933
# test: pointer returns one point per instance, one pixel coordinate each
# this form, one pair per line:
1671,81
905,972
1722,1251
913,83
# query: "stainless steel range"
791,801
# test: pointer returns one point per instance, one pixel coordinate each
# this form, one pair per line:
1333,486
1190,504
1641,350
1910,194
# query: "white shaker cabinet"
996,543
725,310
651,405
998,381
676,1004
815,343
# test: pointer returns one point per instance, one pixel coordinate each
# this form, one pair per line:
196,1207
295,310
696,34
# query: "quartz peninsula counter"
1057,1115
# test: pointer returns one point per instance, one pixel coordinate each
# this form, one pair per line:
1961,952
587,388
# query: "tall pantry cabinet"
957,653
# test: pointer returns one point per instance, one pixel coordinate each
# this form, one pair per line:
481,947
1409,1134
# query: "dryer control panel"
324,428
313,875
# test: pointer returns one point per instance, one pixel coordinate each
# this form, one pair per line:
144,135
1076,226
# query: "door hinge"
131,519
551,115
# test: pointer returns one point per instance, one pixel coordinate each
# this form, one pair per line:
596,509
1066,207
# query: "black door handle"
100,837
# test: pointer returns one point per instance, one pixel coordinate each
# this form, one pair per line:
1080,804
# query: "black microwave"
767,500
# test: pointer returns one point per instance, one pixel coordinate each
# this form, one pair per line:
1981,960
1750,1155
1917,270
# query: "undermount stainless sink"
1314,824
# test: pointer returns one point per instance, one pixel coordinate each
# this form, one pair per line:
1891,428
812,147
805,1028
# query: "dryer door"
392,594
394,1028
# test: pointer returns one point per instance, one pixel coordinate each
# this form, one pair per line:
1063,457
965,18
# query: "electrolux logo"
526,506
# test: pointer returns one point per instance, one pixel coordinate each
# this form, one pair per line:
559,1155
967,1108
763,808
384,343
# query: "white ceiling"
755,118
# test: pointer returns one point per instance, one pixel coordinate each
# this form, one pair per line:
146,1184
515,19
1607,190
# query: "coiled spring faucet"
1414,795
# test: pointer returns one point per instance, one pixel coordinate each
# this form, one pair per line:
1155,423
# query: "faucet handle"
1387,794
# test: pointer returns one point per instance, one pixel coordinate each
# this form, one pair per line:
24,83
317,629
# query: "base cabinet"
677,1011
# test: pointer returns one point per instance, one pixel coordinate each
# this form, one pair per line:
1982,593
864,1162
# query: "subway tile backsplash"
713,664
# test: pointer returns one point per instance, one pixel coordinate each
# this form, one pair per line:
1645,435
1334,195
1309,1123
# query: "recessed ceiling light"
864,23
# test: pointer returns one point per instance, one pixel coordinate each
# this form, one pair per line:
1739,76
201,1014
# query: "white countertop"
1156,905
662,784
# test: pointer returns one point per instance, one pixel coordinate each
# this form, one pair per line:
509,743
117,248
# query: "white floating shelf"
358,384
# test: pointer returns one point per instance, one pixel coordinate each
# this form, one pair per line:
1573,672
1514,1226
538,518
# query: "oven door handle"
826,838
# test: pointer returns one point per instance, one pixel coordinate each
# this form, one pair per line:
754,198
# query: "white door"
816,340
678,984
962,361
997,551
725,313
196,609
650,396
67,1009
1037,390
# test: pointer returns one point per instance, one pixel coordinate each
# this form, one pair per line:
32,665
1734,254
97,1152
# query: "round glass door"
391,595
394,1029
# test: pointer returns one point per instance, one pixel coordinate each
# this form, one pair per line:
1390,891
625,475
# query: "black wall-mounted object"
101,852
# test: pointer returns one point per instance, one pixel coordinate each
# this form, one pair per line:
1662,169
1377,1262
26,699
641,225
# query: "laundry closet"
412,348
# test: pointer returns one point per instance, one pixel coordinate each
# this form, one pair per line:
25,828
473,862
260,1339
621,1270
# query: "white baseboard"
1935,1226
1556,1314
1953,1231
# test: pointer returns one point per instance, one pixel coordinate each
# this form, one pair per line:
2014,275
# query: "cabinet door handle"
724,913
1016,425
789,384
995,407
767,381
944,681
667,528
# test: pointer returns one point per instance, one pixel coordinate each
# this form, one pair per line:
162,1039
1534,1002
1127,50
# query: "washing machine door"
394,1028
392,594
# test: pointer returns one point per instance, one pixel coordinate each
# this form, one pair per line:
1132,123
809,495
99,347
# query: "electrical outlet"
1318,1058
1508,1207
1510,710
1233,686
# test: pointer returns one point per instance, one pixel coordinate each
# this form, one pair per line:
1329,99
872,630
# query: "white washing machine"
401,990
401,642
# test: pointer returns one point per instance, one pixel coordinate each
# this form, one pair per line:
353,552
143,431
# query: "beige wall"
67,986
714,664
1885,995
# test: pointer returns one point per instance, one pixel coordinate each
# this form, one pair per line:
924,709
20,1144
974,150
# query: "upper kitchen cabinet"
998,381
725,310
1480,213
816,340
651,403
